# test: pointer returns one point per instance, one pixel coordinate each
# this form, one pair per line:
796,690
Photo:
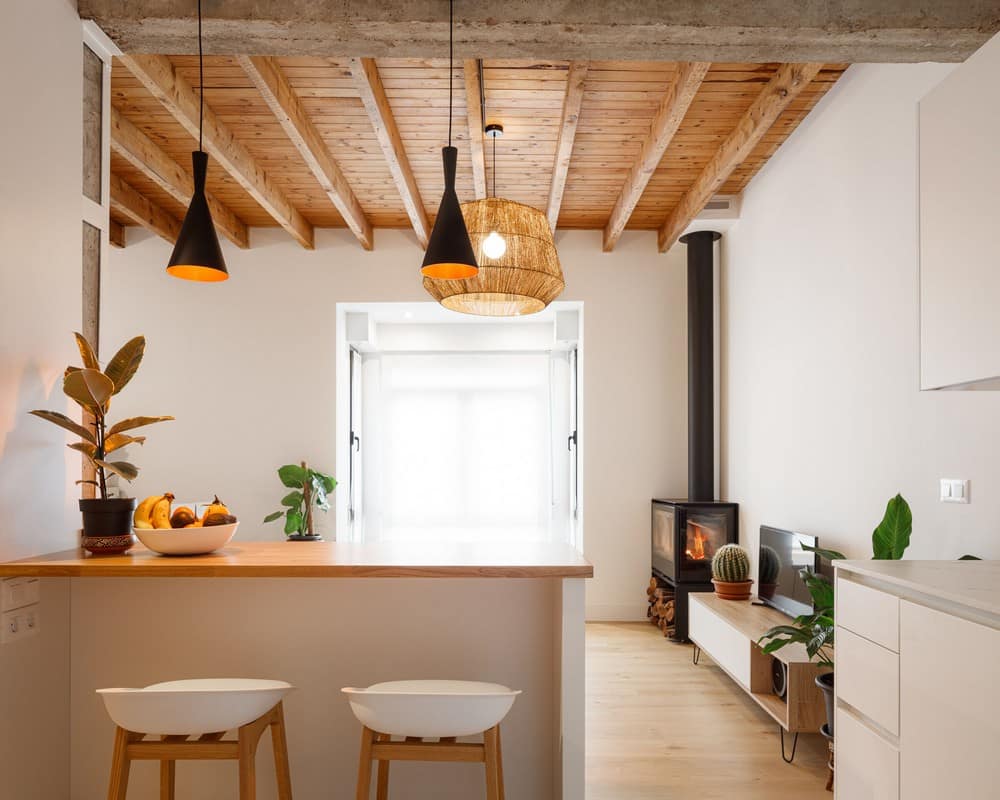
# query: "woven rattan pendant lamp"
519,271
197,255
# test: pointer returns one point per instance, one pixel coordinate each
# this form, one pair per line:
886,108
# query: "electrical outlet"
20,624
954,491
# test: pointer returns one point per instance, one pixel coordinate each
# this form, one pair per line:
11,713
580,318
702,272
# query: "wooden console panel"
728,632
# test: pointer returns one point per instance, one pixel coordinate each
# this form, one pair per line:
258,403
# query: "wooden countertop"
318,560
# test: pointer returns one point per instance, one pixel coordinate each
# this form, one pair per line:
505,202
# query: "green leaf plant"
92,389
815,631
310,490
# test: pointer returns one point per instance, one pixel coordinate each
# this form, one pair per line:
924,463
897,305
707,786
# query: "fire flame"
697,552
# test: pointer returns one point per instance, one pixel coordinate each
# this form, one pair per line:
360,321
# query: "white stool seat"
431,709
205,705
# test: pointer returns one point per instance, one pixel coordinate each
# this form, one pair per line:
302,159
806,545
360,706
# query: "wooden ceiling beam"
669,116
116,234
477,124
373,97
266,75
129,203
575,79
788,81
146,156
158,75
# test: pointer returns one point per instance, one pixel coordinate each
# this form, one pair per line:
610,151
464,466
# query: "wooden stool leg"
500,766
168,770
248,737
382,786
365,764
120,762
492,773
279,743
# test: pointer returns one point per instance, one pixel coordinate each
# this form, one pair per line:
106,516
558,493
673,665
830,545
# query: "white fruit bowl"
431,709
205,705
186,541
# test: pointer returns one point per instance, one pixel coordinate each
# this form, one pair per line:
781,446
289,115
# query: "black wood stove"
686,533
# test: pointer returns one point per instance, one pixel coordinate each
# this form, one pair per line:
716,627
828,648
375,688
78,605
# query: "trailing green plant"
731,564
92,388
769,566
889,541
311,490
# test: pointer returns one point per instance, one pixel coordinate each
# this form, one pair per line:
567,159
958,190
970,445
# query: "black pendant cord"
201,81
451,62
494,167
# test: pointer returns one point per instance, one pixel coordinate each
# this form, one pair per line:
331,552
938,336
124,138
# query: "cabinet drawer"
867,765
869,613
725,645
868,679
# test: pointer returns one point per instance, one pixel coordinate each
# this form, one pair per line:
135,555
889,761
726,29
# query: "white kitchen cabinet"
867,764
949,706
917,660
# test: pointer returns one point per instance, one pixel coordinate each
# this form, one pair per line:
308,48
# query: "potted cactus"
107,521
731,573
768,570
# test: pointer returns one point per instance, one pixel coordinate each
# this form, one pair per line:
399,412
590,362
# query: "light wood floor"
660,727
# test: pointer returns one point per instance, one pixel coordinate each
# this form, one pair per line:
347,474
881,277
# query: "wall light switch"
954,491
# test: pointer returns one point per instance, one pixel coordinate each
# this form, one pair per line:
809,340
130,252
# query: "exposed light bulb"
494,245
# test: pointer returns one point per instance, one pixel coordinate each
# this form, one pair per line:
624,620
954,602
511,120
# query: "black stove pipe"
701,363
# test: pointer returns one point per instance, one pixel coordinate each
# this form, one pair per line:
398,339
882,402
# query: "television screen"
779,560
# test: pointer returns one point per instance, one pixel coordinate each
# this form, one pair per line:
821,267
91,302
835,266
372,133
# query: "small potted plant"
311,489
731,572
107,521
768,570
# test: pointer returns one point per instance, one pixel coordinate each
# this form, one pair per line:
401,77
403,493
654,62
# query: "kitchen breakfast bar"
324,615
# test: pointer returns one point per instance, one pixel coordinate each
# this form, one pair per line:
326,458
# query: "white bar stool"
419,710
206,709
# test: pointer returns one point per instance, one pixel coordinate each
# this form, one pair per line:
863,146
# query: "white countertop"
975,584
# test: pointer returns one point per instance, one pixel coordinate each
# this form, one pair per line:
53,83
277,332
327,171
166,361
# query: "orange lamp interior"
448,271
192,272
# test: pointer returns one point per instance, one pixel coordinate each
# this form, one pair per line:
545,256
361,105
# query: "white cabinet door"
949,707
867,766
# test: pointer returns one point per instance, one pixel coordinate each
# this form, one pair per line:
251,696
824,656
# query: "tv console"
728,631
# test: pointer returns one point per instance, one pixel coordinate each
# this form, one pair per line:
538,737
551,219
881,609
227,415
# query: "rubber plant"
310,490
889,541
815,630
92,388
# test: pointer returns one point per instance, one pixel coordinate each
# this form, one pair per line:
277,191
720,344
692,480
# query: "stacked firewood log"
661,605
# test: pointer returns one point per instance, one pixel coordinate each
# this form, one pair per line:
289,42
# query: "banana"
142,525
140,519
161,511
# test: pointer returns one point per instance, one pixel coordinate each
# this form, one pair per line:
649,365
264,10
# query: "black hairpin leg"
695,654
795,743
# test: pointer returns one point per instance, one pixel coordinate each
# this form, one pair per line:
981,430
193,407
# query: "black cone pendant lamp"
197,255
449,252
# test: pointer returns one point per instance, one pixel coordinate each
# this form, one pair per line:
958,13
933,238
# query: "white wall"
247,367
40,269
822,414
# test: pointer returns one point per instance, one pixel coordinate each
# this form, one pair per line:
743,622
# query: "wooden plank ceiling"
709,135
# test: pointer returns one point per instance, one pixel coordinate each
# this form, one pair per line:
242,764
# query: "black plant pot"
107,524
305,537
825,682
